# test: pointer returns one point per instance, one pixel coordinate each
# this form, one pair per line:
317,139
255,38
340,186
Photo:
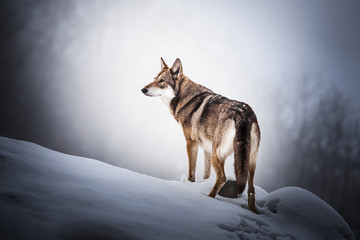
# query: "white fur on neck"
167,95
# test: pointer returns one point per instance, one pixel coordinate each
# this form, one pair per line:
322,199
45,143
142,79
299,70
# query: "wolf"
219,125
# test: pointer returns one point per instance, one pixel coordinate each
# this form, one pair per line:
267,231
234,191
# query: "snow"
49,195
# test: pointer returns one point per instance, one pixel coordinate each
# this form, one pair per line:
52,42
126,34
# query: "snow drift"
49,195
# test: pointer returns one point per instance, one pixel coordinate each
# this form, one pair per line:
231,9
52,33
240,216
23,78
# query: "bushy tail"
242,145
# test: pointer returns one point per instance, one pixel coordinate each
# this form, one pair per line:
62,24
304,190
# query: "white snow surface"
50,195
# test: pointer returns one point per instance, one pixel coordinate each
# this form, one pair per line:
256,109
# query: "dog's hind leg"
251,189
255,141
218,165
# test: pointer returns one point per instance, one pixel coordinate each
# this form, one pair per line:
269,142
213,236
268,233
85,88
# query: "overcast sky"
86,62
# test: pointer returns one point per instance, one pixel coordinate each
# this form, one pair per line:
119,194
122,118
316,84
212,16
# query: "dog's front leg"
192,149
207,158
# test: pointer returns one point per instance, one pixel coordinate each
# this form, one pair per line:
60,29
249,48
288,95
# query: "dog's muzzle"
144,90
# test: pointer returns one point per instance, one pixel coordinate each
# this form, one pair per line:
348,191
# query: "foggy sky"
72,71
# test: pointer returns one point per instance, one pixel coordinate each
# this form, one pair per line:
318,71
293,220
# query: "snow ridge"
49,195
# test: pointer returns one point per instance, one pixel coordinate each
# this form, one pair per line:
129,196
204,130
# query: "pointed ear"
163,64
177,67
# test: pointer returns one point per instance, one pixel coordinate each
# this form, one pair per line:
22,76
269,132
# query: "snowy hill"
49,195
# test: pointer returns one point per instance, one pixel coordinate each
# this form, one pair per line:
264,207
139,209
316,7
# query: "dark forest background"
321,146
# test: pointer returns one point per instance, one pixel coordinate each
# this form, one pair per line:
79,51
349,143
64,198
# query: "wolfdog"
219,125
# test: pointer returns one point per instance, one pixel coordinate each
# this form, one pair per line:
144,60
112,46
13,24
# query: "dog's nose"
144,90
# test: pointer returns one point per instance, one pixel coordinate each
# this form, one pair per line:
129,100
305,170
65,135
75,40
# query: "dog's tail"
242,145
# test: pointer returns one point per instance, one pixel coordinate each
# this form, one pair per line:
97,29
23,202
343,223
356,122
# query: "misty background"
71,74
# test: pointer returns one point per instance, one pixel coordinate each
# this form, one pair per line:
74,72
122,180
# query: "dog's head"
166,83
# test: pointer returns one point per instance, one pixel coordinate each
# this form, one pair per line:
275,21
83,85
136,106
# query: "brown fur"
209,120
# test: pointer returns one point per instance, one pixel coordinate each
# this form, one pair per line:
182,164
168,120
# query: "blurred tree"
322,138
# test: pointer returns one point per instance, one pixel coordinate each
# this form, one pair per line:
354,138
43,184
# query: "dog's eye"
161,80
